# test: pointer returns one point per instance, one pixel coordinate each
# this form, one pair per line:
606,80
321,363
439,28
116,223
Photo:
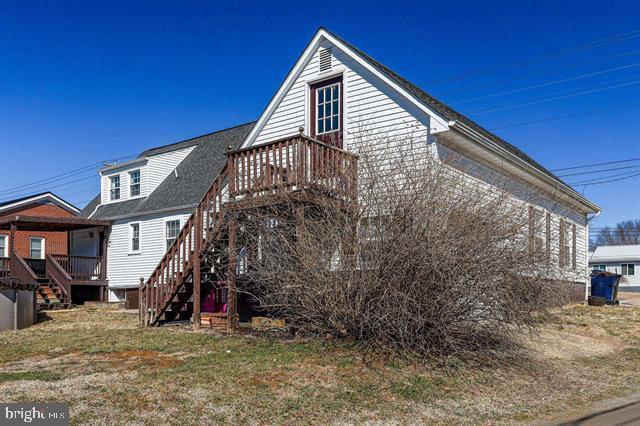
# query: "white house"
624,260
333,92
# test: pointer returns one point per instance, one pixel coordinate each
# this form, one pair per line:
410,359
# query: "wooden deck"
294,169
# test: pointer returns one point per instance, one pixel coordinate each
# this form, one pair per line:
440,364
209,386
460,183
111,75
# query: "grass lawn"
109,371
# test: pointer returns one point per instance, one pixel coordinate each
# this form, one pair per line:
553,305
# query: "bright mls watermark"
34,414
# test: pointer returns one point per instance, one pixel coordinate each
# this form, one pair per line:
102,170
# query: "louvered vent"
325,59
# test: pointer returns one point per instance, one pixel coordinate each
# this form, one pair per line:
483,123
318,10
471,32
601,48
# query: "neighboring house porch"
63,279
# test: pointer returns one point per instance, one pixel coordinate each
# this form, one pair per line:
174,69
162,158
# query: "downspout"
587,284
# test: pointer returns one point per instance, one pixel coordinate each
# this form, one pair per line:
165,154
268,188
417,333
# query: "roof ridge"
145,152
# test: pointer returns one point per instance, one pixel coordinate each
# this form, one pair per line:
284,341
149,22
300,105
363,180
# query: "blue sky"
83,82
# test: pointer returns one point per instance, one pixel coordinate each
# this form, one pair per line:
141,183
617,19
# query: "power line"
543,99
612,180
545,72
596,164
600,178
599,171
62,176
546,84
540,58
562,117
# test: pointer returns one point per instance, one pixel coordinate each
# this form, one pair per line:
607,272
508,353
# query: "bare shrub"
429,260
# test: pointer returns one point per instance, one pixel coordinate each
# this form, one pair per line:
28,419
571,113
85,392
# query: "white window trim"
131,196
111,179
130,241
167,220
5,253
325,103
42,247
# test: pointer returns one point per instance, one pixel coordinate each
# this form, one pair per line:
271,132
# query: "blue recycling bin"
605,284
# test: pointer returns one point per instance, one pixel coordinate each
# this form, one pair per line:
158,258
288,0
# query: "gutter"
492,146
150,212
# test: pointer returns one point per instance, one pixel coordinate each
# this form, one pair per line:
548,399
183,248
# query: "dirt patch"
567,345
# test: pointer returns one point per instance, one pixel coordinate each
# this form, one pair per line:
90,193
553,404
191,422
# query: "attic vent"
325,59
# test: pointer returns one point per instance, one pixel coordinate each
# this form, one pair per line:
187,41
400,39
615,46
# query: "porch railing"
292,164
4,267
81,268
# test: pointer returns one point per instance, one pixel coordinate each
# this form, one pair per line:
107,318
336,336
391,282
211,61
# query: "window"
135,237
628,269
115,187
36,248
599,267
328,109
173,229
4,246
134,183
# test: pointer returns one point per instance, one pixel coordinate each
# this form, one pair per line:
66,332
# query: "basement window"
134,183
628,269
115,187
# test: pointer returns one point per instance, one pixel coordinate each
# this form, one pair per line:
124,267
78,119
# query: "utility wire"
597,164
64,175
540,58
600,178
545,73
546,84
562,117
599,171
612,180
543,99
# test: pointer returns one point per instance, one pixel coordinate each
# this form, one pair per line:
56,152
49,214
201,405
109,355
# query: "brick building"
35,244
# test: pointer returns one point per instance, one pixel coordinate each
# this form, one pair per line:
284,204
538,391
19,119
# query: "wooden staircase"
253,177
50,295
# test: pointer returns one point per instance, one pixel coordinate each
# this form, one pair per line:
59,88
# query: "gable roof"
422,99
184,188
616,253
38,198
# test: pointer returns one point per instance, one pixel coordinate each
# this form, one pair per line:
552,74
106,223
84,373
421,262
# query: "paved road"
626,414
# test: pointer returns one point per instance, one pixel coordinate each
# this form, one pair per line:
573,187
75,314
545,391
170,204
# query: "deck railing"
4,267
81,268
293,164
285,166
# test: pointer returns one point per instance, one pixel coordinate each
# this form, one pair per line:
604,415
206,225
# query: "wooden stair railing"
57,274
284,166
177,266
21,270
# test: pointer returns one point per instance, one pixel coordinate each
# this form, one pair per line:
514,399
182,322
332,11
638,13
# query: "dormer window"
326,111
134,183
115,187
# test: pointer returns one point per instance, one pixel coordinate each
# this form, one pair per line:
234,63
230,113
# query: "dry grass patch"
110,371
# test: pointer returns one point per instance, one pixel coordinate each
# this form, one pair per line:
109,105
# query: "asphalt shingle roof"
194,175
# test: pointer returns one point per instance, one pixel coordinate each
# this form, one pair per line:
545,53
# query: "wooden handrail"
176,266
22,271
282,166
58,275
81,267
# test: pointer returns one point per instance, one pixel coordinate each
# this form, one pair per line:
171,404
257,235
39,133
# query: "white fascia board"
514,159
113,167
302,62
52,197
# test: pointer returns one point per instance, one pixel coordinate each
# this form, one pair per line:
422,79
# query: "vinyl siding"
125,269
156,169
376,118
369,106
